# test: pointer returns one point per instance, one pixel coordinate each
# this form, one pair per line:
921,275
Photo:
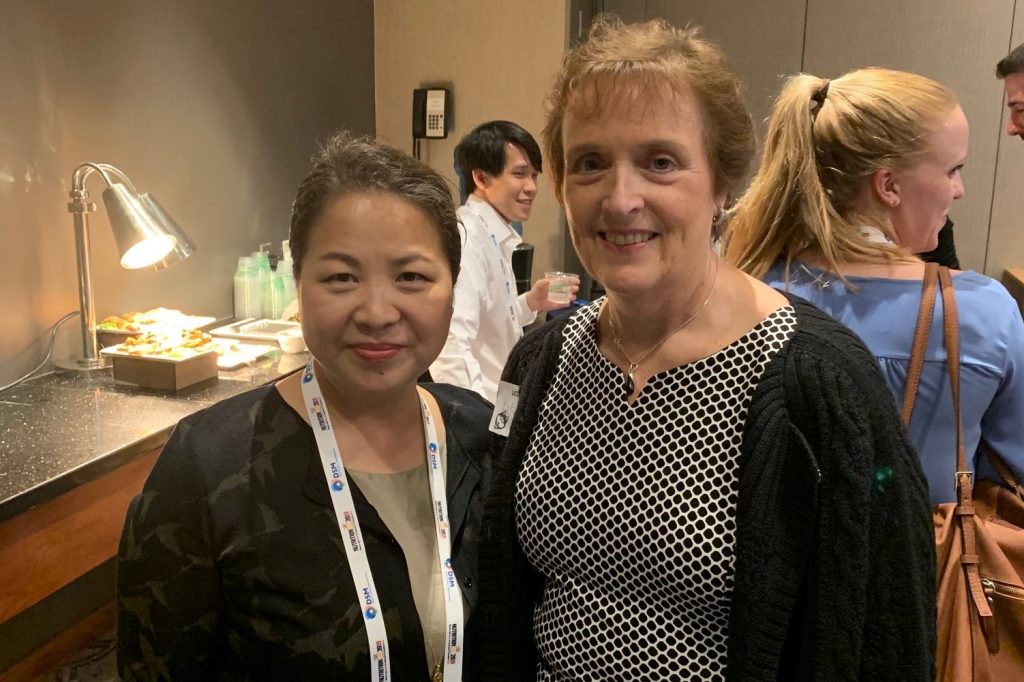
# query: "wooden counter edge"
49,546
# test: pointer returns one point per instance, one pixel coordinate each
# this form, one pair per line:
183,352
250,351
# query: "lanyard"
355,548
509,295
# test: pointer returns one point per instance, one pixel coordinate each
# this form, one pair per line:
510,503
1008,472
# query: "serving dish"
165,373
115,329
291,340
162,318
232,354
256,330
164,361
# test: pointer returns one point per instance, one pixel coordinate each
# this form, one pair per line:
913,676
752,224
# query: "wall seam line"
999,153
803,46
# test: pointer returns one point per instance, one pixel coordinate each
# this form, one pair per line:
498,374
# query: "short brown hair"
645,56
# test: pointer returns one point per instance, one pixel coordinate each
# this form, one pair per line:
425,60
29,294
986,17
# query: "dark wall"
213,107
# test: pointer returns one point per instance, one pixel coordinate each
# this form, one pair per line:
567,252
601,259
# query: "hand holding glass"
560,286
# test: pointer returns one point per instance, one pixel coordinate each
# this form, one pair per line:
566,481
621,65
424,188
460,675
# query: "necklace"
634,364
437,671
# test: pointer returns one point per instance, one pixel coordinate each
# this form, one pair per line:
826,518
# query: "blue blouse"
883,312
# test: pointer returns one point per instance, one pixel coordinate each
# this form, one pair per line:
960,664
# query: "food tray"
257,330
160,318
187,354
165,373
232,355
109,336
194,322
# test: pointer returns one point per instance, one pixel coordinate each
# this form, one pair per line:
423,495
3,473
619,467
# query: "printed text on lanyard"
355,548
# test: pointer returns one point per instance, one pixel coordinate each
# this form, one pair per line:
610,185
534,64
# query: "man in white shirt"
500,162
1011,71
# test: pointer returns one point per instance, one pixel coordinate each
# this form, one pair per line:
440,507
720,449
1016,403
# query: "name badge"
504,408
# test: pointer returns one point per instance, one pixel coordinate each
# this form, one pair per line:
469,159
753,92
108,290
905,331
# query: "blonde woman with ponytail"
857,175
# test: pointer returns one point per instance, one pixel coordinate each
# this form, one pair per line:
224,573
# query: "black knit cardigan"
835,566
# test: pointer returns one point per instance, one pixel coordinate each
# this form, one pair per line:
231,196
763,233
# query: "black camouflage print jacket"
231,565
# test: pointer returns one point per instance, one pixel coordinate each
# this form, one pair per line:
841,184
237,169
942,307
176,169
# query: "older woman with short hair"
703,478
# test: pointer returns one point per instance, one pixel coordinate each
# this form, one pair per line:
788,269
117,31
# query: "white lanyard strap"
510,293
355,548
453,630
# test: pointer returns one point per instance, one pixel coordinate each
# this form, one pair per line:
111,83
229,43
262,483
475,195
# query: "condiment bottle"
247,289
265,276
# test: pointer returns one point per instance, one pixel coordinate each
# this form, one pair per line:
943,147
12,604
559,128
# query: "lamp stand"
80,207
144,233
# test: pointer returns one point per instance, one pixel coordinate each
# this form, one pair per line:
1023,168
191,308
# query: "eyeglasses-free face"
375,293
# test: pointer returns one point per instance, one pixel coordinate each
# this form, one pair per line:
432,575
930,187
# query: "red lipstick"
376,352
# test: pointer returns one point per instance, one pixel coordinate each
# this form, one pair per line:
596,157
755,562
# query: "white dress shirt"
489,316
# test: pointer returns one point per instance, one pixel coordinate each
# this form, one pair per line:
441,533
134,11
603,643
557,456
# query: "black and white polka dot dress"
628,510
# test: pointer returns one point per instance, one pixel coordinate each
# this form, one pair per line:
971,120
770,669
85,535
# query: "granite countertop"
63,429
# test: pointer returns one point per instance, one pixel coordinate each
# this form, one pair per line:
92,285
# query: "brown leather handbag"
979,540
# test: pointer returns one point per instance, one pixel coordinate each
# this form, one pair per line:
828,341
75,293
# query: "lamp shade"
183,247
141,238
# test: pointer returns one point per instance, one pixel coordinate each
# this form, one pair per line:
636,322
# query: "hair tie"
818,98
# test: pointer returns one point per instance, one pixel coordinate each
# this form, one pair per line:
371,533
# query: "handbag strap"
951,332
921,332
933,273
965,512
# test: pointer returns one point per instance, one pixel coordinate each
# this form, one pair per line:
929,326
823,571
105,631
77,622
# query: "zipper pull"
989,588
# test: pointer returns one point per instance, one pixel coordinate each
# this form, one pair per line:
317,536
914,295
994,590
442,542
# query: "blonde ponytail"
824,139
769,222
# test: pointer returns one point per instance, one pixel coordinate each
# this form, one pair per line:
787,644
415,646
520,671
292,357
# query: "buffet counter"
74,449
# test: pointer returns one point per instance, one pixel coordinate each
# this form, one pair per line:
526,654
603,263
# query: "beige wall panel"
628,10
499,59
957,43
763,40
1006,235
213,107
